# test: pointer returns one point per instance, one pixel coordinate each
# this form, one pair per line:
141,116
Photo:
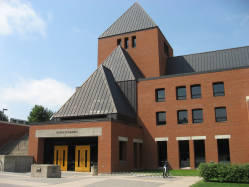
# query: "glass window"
134,42
197,115
181,93
161,118
122,150
182,116
220,114
118,41
126,43
160,95
196,91
218,89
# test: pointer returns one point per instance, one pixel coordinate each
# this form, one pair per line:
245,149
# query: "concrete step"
16,147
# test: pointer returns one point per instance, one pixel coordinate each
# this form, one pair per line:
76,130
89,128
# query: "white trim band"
122,139
198,137
136,140
161,139
222,137
70,132
183,138
247,98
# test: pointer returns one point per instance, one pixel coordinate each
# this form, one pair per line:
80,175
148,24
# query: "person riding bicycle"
166,169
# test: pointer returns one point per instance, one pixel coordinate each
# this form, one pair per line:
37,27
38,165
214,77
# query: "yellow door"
60,156
82,158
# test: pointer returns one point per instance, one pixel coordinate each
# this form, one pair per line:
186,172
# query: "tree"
3,117
39,114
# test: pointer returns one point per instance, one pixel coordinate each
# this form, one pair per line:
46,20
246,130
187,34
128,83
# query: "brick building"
143,106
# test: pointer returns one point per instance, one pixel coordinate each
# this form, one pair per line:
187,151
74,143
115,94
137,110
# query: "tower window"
126,43
161,118
118,41
181,93
220,114
182,116
134,42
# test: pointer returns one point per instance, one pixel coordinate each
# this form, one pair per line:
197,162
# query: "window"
196,91
126,43
181,93
161,152
223,150
182,116
134,42
122,150
197,116
161,118
160,95
166,49
220,114
118,41
218,89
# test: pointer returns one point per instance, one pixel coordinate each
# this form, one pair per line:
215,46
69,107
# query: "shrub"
224,172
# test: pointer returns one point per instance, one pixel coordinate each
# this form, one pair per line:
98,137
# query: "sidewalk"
74,179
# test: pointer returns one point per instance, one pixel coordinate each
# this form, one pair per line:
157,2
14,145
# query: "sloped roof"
99,95
122,66
134,19
209,61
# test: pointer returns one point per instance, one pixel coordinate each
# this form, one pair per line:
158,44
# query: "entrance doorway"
60,156
82,158
184,153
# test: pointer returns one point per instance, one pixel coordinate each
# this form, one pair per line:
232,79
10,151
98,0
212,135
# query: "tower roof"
134,19
99,95
122,66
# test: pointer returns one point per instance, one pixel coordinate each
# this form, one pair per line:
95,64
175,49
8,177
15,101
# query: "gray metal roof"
99,95
209,61
122,66
134,19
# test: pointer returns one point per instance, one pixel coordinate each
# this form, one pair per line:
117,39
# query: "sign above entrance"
74,132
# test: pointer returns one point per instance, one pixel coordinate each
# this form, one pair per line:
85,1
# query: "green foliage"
218,184
3,117
39,114
224,172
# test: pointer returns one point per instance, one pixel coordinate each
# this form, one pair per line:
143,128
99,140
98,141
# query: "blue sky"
47,48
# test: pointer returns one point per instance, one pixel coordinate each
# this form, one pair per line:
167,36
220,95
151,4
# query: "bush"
224,172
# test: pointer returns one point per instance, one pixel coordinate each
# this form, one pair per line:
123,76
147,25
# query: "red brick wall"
131,131
146,55
9,131
236,90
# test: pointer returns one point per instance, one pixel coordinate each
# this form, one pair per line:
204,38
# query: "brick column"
173,153
211,150
192,154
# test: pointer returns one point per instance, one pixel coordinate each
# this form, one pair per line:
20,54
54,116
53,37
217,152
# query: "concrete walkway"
74,179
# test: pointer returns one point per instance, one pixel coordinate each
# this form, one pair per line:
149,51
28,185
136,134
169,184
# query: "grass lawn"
180,172
218,184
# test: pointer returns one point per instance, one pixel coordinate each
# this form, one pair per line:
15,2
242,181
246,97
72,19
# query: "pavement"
76,179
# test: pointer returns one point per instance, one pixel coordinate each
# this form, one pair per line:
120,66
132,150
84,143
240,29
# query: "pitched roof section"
99,95
122,66
209,61
134,19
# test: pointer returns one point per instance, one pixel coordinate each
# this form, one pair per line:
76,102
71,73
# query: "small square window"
196,91
197,115
218,89
160,95
181,93
118,41
134,42
182,116
220,114
126,40
161,118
